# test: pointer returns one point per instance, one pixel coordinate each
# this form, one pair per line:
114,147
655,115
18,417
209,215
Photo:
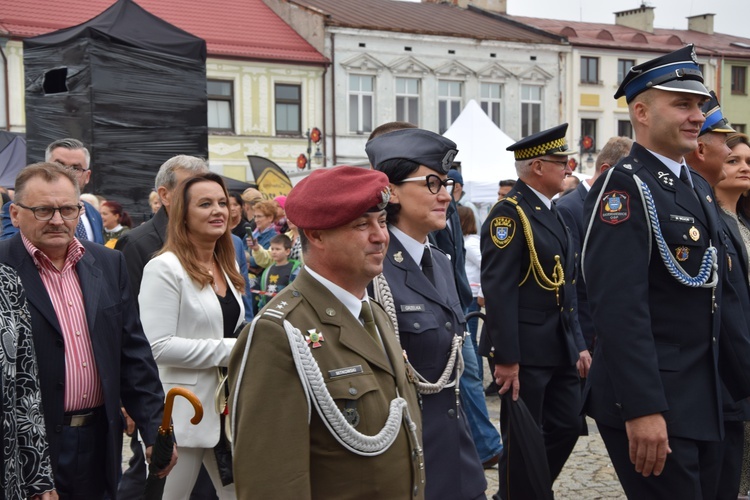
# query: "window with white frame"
220,96
288,108
449,103
531,109
361,103
491,100
407,100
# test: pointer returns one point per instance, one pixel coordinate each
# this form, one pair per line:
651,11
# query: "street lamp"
313,136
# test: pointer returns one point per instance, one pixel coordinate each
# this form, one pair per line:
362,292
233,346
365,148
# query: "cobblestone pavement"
587,475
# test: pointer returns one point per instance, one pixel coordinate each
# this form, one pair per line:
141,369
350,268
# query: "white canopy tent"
481,151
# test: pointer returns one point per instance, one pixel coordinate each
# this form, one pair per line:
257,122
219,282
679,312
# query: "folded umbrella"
161,453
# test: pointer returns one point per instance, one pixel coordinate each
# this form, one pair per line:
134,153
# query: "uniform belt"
81,419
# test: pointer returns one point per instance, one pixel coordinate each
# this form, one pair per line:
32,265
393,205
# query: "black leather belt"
82,419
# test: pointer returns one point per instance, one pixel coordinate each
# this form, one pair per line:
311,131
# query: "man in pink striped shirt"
90,346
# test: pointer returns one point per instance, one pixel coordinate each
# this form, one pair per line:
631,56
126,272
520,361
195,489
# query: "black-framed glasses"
433,183
562,163
67,212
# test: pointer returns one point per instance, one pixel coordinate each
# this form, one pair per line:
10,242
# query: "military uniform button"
713,339
416,491
562,309
573,282
451,413
416,325
353,391
619,406
295,293
331,312
684,237
571,309
448,324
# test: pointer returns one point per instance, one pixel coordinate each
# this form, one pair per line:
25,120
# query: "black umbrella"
161,454
526,458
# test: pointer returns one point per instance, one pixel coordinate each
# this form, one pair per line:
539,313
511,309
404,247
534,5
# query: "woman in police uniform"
429,315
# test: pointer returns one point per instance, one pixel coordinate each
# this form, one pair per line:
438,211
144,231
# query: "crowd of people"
332,335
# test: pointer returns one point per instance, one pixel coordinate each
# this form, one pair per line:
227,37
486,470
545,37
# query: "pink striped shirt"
83,387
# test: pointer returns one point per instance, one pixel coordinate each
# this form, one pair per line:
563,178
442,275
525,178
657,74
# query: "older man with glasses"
528,279
73,155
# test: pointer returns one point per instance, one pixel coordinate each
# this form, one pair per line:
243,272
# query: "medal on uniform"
398,257
682,253
315,338
694,233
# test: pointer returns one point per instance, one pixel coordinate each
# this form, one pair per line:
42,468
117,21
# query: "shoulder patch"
502,230
614,207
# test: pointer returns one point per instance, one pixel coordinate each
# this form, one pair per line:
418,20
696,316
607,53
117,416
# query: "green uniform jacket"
277,454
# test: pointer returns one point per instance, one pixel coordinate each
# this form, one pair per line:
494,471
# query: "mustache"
60,230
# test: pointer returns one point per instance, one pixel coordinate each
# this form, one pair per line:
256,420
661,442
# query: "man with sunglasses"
528,279
92,353
73,155
428,311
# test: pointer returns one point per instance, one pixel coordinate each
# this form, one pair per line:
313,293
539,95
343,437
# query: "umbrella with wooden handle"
161,453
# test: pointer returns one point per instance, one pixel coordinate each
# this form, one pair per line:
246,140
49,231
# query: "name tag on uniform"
681,218
412,308
340,372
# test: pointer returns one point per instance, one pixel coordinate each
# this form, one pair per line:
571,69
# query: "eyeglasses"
67,212
433,183
562,163
75,170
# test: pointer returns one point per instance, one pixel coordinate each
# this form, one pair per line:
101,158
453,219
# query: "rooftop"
239,29
438,19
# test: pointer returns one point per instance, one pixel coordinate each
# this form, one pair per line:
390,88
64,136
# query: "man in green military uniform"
321,403
528,278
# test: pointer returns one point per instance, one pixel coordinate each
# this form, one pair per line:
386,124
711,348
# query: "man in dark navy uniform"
528,279
654,282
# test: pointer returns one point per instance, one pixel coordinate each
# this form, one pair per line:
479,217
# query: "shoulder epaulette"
281,305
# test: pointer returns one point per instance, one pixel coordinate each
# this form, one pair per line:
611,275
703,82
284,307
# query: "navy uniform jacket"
735,311
428,319
657,340
525,323
123,355
451,241
570,207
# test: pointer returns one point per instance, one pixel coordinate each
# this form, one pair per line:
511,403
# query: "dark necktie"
427,265
81,231
684,176
365,315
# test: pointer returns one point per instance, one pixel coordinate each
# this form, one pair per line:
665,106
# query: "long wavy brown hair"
178,237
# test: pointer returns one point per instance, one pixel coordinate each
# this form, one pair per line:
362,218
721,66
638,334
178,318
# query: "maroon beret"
332,197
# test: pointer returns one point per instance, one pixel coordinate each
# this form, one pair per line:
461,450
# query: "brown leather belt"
81,419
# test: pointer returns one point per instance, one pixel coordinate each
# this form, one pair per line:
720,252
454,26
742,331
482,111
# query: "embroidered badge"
615,207
695,235
315,338
398,257
682,253
502,230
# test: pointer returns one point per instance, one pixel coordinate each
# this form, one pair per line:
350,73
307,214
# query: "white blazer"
184,325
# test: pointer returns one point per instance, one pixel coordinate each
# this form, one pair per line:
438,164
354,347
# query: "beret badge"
385,196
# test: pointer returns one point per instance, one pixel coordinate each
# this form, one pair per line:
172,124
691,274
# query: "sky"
732,16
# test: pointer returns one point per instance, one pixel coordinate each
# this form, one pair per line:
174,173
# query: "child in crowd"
282,271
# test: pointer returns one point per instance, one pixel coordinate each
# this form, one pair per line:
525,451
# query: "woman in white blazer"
190,308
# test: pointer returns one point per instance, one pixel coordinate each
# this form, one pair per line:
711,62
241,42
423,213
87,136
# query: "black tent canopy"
130,86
